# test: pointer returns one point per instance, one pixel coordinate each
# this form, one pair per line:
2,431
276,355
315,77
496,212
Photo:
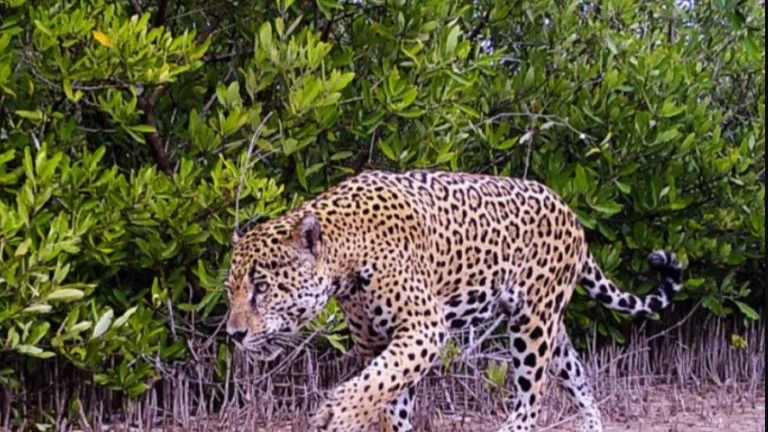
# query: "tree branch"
213,24
327,29
137,9
148,104
225,57
364,156
162,11
207,212
148,116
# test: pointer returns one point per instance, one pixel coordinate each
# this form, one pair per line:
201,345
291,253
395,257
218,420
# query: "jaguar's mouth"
261,348
266,352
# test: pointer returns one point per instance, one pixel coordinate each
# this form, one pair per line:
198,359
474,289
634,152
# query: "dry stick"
529,138
465,355
212,337
468,351
573,416
212,99
370,148
83,418
548,117
169,305
651,338
254,137
289,358
677,324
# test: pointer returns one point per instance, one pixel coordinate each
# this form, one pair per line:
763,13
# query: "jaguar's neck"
342,254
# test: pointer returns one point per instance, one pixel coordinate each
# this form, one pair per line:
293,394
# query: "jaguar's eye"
260,287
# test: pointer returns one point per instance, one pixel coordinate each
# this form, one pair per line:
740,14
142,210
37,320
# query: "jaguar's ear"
237,235
309,234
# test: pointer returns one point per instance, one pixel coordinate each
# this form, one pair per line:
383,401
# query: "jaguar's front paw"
323,418
340,415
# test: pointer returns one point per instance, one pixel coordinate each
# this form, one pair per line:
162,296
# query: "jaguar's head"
276,283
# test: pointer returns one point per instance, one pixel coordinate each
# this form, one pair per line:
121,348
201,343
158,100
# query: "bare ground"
703,414
667,410
691,379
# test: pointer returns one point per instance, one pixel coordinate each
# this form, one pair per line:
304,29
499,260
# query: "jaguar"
413,257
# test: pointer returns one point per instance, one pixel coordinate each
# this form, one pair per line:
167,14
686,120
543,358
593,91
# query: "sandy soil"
743,418
658,409
706,413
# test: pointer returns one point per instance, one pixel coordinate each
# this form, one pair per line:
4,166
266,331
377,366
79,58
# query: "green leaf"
6,156
623,187
411,113
586,219
141,128
38,332
387,150
222,359
36,115
667,136
340,81
13,339
608,207
581,182
335,341
137,389
452,39
687,143
290,146
301,174
714,304
34,351
738,342
753,48
37,308
507,144
608,233
122,319
23,248
66,295
80,327
342,155
265,36
43,28
747,310
669,109
103,324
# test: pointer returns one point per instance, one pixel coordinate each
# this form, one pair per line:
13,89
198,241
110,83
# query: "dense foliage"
128,130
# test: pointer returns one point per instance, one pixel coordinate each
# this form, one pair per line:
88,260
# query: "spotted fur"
411,257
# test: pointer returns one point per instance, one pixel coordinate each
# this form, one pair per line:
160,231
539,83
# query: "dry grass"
686,375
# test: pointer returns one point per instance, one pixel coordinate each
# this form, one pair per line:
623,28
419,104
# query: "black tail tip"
660,260
667,265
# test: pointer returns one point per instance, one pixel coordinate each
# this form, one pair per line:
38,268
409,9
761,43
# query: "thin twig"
529,140
465,355
254,138
289,357
169,305
137,9
548,117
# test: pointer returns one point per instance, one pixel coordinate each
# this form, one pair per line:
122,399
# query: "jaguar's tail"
606,292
